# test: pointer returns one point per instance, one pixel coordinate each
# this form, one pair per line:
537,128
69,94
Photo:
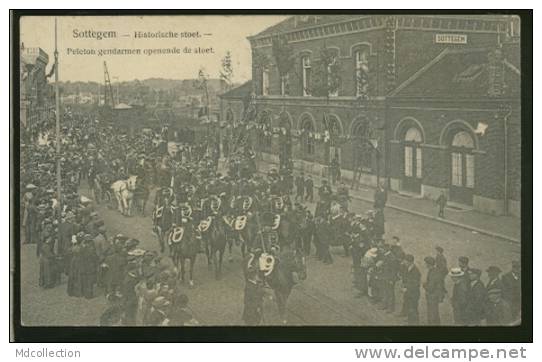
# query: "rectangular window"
306,74
457,169
408,161
418,162
469,169
265,81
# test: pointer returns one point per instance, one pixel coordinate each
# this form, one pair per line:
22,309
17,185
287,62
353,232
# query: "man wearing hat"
495,305
411,289
463,263
511,283
180,313
476,300
433,291
459,298
159,312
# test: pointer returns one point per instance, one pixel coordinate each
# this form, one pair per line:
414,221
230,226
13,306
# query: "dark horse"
282,278
212,235
183,245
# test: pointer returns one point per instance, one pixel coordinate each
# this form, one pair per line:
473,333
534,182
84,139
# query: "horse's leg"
143,206
230,246
129,207
192,263
220,258
215,263
119,202
182,269
209,253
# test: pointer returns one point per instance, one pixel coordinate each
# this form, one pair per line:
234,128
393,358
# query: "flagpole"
57,112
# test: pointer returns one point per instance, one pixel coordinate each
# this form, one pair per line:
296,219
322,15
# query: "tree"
284,58
325,79
226,73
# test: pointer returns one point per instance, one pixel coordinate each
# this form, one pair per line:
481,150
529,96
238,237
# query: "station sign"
451,38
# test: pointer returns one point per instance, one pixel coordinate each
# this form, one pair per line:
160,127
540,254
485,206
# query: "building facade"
423,103
35,92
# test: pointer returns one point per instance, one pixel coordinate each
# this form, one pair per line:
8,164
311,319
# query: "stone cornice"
451,23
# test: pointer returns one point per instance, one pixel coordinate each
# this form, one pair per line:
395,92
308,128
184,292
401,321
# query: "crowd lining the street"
72,240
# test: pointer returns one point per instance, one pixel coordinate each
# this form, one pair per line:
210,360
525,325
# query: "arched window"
308,136
363,151
331,74
361,60
413,153
462,160
334,128
306,74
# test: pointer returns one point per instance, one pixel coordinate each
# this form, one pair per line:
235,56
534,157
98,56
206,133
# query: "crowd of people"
141,288
71,238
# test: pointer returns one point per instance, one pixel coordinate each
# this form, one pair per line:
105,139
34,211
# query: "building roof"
458,73
296,22
239,92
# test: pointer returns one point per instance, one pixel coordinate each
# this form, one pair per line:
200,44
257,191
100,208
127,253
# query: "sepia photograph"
248,170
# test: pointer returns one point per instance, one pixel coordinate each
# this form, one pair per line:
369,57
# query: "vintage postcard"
269,170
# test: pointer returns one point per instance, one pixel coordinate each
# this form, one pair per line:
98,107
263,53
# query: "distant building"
35,93
424,103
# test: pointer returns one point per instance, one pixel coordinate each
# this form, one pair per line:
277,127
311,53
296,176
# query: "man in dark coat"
497,309
324,192
511,283
441,265
129,296
411,289
89,267
441,202
477,299
115,264
47,276
460,296
380,197
309,189
433,291
254,293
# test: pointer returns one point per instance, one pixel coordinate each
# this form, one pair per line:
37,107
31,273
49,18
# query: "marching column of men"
142,290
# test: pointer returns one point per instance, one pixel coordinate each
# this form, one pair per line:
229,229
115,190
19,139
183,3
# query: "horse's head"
131,183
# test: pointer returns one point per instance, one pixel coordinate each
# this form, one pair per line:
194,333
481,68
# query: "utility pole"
57,111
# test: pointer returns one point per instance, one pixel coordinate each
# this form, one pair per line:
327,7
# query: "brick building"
424,103
34,89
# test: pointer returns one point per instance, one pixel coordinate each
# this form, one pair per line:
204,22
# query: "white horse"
124,193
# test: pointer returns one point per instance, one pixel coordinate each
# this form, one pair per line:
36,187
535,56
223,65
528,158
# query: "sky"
226,33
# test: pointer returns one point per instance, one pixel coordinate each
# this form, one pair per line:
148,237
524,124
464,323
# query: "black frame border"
316,334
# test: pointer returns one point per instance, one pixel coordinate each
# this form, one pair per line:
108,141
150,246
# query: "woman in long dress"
47,277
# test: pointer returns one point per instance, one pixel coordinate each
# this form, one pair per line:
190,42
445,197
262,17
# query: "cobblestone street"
325,298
